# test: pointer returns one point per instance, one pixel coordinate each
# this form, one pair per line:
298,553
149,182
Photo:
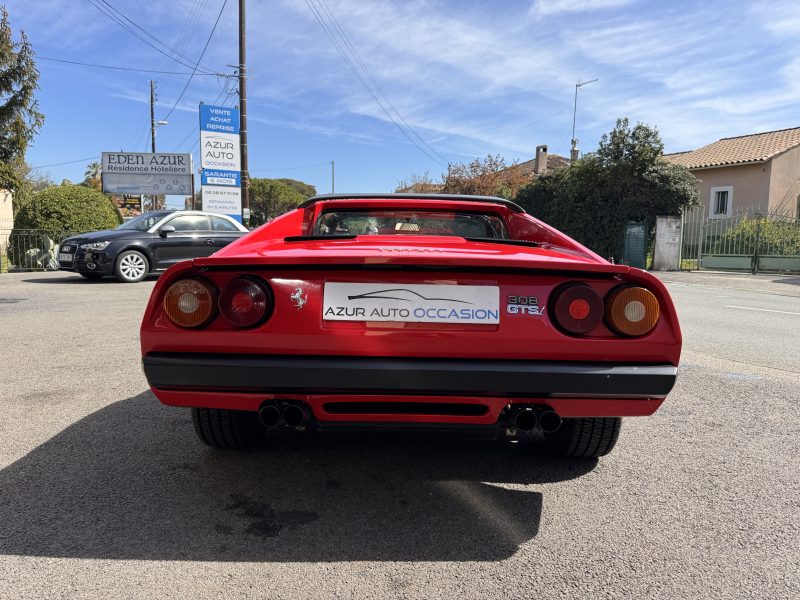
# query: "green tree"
92,175
270,198
625,180
20,118
484,177
304,189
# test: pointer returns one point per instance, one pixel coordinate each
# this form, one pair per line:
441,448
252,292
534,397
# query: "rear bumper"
403,376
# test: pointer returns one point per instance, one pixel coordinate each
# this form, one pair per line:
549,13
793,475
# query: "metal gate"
747,241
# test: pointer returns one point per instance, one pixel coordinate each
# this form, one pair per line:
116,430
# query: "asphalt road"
105,493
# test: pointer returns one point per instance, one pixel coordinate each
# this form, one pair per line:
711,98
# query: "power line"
69,162
119,18
183,40
379,88
342,49
326,163
194,128
83,64
208,41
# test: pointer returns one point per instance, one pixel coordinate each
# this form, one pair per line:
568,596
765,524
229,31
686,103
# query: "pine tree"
20,118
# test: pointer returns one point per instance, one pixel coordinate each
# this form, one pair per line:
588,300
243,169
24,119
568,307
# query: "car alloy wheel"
131,267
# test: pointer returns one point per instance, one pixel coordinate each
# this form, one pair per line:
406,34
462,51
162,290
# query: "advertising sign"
219,151
218,177
147,173
220,160
413,303
223,200
151,185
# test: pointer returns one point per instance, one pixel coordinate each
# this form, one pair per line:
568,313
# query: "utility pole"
573,154
243,112
333,187
152,130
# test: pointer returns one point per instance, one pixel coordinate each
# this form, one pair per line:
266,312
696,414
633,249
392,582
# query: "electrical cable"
208,41
379,88
354,69
69,162
84,64
119,18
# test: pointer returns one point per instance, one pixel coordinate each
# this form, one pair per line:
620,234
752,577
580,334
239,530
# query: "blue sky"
468,77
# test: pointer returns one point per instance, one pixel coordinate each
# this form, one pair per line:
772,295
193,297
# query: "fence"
745,241
29,249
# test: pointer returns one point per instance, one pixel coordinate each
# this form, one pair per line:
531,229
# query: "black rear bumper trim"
405,376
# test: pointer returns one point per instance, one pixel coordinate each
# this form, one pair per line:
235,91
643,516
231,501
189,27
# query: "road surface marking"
783,312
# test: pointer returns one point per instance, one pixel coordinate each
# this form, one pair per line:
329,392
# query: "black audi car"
149,243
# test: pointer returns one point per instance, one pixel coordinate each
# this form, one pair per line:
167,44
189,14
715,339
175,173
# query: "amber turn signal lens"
190,302
632,311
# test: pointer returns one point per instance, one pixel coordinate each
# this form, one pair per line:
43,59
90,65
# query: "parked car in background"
390,312
149,243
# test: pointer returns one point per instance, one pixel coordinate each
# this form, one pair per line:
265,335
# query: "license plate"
411,303
65,257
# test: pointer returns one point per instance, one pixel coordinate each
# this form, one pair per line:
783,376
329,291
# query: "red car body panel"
299,341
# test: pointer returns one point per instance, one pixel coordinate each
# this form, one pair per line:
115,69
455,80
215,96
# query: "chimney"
540,165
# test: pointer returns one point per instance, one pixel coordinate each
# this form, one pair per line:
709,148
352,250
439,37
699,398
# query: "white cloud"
554,7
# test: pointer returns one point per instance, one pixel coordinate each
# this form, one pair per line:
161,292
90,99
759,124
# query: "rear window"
410,222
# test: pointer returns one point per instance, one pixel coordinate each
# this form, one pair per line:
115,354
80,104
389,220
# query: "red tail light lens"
245,302
577,309
190,302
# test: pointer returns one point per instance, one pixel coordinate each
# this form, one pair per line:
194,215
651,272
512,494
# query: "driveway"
107,494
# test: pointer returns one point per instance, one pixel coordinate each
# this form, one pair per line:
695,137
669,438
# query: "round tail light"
578,309
632,311
190,302
245,302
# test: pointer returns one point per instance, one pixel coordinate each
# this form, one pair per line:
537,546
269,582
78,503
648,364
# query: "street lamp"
573,155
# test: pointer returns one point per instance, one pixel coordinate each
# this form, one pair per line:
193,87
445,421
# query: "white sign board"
219,151
223,200
152,185
161,173
147,163
418,303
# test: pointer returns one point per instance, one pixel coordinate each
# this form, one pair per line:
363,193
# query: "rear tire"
585,437
227,429
92,276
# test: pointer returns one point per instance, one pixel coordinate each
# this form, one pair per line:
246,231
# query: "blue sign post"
220,160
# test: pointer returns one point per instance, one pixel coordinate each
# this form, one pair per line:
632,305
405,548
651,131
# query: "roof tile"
757,147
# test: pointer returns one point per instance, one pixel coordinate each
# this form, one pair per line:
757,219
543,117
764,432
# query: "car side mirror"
165,230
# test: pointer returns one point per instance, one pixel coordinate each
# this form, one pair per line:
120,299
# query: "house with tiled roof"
759,172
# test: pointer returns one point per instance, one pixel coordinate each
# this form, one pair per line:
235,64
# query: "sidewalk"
785,285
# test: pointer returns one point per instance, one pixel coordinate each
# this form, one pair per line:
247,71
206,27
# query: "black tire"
586,437
227,429
131,266
92,276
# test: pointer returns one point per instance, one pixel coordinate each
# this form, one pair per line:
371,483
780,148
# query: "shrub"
71,208
775,236
52,214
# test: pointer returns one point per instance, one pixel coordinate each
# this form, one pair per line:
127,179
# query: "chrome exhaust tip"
549,421
525,420
269,415
295,415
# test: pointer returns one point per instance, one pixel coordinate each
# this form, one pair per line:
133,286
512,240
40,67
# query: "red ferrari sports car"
405,311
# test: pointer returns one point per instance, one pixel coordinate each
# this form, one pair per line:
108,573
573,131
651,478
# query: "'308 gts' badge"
299,298
524,305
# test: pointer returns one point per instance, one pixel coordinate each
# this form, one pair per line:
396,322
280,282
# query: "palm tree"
93,171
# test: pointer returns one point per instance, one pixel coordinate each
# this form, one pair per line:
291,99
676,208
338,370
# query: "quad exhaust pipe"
528,419
291,415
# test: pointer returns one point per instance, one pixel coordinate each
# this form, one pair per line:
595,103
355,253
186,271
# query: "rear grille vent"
405,408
